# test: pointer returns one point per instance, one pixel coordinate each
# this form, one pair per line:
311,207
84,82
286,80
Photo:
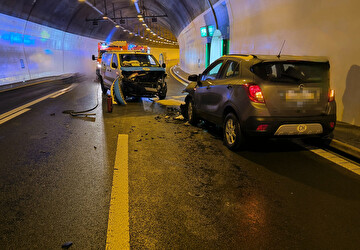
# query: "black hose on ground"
84,112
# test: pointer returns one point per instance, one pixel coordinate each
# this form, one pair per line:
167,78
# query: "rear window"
292,71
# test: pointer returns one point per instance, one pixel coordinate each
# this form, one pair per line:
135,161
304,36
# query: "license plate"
299,96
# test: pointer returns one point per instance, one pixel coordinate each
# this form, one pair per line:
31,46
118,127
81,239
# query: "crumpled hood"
145,69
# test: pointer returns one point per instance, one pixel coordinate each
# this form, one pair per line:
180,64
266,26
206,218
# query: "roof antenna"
278,56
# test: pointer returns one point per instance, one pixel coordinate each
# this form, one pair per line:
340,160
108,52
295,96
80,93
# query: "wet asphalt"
186,189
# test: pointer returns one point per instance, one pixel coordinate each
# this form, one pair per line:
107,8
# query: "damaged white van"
140,74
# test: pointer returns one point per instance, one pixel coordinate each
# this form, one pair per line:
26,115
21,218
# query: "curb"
346,148
66,78
178,75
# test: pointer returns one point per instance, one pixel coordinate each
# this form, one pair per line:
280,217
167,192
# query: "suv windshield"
286,71
138,60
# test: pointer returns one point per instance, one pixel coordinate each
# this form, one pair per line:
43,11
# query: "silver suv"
266,96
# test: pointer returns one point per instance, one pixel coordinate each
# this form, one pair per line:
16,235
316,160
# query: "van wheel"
103,88
162,92
191,112
233,138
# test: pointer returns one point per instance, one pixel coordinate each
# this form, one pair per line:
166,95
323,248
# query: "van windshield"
138,60
292,71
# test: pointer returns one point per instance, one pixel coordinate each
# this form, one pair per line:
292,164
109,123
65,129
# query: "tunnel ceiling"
85,18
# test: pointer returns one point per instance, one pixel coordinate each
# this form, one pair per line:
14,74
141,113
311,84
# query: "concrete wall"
322,27
169,53
29,50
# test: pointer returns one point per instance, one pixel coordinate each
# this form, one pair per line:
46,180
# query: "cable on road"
84,112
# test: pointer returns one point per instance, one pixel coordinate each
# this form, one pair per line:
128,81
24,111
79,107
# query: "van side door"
113,69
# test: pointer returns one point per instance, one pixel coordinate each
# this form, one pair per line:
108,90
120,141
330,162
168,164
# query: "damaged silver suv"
140,74
264,96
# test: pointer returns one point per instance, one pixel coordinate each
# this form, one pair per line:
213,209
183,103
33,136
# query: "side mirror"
163,65
93,57
114,65
193,78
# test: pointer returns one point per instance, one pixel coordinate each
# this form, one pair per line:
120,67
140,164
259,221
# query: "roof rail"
243,55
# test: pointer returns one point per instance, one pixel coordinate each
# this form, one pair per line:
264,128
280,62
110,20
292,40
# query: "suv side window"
212,72
231,70
114,61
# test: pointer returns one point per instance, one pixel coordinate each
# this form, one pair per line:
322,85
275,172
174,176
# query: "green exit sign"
203,31
210,30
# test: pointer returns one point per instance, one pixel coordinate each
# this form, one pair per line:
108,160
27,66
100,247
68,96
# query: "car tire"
191,112
233,137
162,92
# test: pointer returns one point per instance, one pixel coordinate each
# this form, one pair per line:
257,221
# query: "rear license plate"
295,96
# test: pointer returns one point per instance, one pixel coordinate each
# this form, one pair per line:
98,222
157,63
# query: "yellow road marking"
333,158
177,78
16,110
118,236
61,92
13,115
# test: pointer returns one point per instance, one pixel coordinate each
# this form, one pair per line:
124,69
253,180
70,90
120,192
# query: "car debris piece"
180,117
66,245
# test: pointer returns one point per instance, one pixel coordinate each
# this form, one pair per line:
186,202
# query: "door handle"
208,87
229,87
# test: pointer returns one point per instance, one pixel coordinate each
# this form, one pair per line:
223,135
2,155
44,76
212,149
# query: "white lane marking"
13,115
177,78
332,157
13,111
118,236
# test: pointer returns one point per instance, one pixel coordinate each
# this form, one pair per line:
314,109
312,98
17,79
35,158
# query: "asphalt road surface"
183,188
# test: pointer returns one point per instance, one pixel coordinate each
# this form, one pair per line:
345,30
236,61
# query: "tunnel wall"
29,50
320,28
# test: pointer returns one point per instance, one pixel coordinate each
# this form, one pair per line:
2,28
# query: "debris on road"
66,245
180,117
196,195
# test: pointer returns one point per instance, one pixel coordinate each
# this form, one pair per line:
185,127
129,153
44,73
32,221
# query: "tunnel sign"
210,30
203,31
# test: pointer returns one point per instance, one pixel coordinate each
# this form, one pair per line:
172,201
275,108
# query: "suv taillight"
254,92
331,95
